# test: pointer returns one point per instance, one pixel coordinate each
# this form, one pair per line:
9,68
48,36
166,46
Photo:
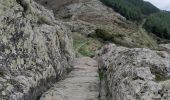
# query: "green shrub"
106,36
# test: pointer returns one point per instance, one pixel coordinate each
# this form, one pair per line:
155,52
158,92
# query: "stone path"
81,84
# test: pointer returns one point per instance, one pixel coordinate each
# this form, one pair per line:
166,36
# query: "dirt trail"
81,84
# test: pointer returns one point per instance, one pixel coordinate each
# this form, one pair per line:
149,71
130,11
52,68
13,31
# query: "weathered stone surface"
35,49
165,46
134,74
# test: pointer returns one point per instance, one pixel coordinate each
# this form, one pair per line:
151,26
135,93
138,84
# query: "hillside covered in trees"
132,9
157,21
159,24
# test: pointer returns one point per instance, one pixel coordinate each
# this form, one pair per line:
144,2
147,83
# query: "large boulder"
134,73
35,50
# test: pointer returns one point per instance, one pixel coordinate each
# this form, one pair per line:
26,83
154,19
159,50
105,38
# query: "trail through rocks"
81,84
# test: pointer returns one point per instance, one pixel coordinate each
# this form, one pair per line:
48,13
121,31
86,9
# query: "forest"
133,10
159,24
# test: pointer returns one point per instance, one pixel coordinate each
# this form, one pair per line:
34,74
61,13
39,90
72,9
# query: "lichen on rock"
134,73
33,55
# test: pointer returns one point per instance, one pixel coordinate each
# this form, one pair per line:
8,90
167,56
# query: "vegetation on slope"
159,24
85,46
131,9
139,38
157,21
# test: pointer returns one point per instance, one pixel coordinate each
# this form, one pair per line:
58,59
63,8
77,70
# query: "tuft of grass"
85,52
160,77
101,75
78,41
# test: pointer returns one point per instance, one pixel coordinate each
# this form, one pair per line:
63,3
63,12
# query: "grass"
88,45
78,40
152,43
101,75
85,46
139,38
160,77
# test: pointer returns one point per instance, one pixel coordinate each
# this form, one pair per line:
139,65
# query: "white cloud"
167,8
162,4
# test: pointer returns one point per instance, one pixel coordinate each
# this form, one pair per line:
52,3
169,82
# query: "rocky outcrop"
35,50
134,73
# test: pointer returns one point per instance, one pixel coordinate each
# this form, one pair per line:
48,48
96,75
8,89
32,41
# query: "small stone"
2,80
144,73
9,88
3,93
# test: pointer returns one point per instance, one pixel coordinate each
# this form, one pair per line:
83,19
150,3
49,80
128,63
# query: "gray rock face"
134,74
165,46
35,50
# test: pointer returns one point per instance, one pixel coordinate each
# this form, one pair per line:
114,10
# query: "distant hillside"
157,21
132,9
159,24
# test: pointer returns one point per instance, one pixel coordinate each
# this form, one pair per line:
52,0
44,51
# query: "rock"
144,73
134,73
2,80
36,50
3,93
165,46
25,4
166,83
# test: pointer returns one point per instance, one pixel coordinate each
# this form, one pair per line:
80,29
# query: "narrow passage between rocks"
81,84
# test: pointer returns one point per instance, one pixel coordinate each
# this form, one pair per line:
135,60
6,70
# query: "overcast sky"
162,4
